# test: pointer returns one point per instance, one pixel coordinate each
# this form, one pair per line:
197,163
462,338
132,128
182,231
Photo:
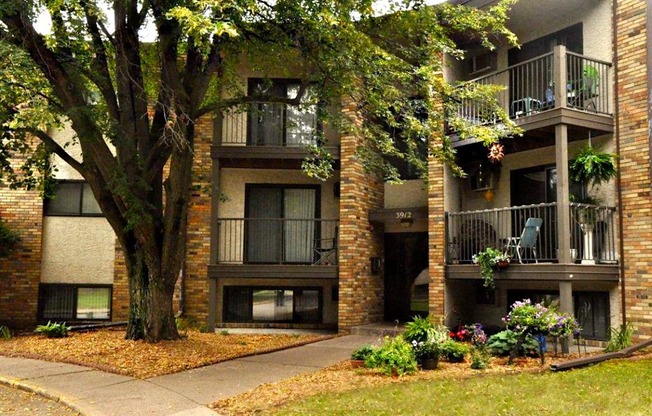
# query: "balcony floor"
540,272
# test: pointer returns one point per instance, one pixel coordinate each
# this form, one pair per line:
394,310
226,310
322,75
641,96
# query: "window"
278,304
74,302
72,198
274,124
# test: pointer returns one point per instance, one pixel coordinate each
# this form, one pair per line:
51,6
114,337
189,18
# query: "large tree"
133,103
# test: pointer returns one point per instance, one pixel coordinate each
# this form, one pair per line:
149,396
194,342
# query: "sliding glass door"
280,224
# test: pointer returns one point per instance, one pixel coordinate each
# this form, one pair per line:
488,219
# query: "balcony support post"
566,306
215,230
560,77
563,194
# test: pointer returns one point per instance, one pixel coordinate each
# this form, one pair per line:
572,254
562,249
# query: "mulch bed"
107,350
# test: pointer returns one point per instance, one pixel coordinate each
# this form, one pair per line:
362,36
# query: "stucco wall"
233,181
77,250
409,194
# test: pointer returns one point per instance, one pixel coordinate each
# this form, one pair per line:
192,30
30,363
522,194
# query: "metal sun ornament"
496,152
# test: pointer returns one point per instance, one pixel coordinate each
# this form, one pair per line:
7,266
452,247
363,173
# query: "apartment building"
269,246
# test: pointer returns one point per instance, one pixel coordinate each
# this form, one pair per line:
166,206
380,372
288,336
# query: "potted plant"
490,260
591,167
426,338
360,354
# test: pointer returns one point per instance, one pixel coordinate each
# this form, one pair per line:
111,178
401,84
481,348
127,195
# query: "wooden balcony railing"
277,241
558,79
592,233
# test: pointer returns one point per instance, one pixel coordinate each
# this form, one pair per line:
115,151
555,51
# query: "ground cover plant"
619,387
109,351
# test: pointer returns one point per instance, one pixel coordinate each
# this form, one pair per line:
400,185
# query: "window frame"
80,212
76,287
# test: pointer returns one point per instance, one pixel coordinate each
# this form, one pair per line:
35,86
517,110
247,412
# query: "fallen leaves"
107,350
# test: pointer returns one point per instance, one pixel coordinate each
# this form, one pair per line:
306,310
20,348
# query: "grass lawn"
613,388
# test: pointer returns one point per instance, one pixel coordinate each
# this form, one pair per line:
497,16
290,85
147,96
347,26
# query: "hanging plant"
593,167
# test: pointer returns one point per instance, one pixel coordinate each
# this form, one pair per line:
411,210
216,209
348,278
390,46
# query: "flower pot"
430,363
503,264
357,363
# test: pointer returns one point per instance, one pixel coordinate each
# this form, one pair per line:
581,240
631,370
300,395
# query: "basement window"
71,302
275,304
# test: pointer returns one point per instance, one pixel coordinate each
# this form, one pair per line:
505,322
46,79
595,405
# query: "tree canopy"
133,103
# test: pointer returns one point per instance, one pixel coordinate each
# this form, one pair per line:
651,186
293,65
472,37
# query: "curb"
29,388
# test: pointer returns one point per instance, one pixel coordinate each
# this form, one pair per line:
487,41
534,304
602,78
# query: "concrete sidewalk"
96,393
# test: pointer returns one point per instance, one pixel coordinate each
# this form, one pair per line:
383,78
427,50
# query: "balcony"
267,135
556,88
592,236
276,248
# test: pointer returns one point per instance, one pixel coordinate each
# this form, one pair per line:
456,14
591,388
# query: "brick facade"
633,137
361,298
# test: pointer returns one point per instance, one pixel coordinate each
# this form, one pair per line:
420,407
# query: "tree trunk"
151,315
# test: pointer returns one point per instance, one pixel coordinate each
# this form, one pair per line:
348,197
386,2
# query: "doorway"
406,256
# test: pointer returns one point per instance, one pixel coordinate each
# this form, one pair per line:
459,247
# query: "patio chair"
527,240
325,250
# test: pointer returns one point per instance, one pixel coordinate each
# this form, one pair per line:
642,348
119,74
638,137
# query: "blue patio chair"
527,240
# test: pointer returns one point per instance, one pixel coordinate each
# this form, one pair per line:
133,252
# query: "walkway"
95,393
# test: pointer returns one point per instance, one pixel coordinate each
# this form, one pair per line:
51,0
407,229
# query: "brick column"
20,273
436,238
199,225
634,148
361,293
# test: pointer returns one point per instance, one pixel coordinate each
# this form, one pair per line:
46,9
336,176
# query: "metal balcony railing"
533,86
269,124
592,233
277,241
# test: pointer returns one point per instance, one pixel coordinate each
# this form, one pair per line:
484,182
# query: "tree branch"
53,146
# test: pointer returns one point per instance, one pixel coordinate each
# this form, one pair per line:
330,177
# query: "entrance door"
406,255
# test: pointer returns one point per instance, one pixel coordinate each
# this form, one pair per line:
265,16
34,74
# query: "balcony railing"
277,241
532,87
592,233
269,124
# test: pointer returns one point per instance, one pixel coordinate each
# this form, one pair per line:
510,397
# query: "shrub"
8,239
454,351
479,358
53,329
395,356
620,338
361,353
503,342
418,329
